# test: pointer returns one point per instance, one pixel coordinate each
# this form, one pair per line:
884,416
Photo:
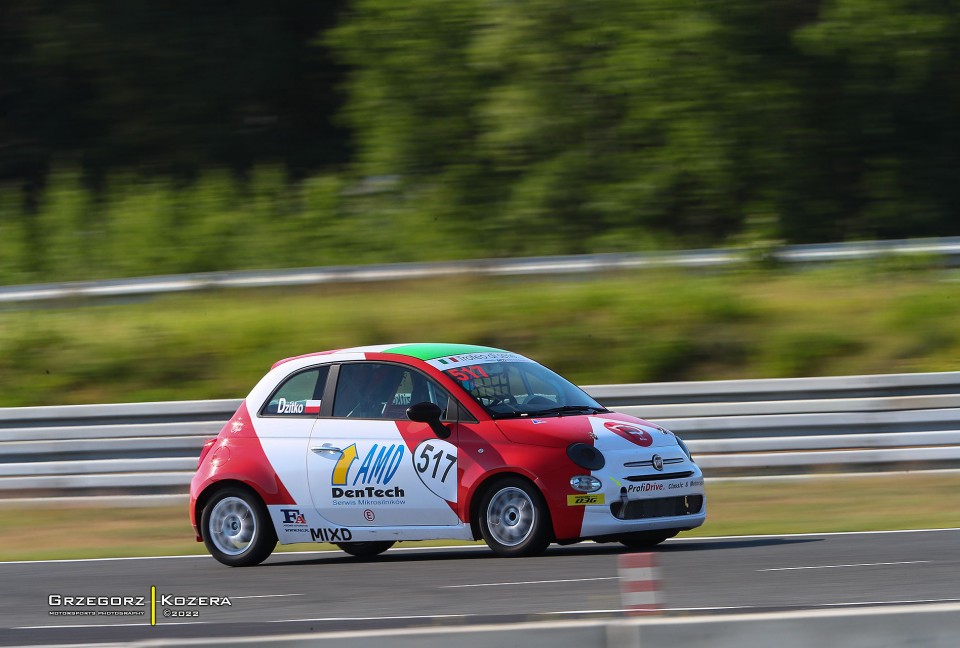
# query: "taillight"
206,448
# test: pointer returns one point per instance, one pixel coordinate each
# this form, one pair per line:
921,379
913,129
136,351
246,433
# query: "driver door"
369,466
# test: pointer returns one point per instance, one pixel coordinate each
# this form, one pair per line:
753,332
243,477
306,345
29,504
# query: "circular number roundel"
632,434
435,462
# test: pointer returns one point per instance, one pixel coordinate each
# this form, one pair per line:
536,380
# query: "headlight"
683,446
585,483
586,456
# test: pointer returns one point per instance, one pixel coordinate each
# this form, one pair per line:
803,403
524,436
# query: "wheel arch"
213,488
488,482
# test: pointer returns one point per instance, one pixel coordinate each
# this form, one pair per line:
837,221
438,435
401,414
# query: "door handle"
326,449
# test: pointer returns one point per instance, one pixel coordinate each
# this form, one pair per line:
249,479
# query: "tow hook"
622,513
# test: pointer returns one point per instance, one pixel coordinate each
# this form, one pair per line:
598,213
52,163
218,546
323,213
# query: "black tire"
237,529
645,539
365,549
514,519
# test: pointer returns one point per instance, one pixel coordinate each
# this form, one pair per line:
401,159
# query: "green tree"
554,126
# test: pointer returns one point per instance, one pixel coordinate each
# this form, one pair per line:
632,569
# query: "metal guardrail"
948,248
740,427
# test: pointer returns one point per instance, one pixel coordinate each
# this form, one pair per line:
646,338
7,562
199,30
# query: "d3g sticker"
584,500
436,464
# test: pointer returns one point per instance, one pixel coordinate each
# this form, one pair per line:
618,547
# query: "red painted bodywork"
236,454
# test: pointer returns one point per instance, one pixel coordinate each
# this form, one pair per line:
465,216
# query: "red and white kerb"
640,583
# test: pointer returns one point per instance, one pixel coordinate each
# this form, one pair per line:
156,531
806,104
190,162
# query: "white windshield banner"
467,359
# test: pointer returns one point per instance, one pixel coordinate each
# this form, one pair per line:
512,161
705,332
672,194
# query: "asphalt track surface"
314,592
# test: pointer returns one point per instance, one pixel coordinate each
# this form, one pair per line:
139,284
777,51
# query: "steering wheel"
493,401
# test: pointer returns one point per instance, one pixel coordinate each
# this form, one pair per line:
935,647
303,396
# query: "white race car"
367,446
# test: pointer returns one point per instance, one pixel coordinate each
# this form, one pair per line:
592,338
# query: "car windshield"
521,388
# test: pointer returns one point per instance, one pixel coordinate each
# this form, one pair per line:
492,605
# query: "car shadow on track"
479,552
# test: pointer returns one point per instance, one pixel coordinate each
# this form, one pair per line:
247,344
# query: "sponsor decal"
367,477
631,433
585,499
325,534
368,515
294,521
298,407
466,359
293,516
646,487
368,491
378,466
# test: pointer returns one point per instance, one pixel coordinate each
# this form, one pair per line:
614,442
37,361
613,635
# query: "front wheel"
514,519
237,529
364,549
645,539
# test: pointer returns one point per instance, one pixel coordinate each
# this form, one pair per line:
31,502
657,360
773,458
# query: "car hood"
598,429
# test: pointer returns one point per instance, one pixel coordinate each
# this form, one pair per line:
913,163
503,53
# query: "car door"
368,465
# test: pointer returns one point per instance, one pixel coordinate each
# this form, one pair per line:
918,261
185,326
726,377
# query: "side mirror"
427,412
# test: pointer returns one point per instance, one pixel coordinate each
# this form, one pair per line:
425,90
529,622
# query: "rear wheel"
237,529
364,549
645,539
514,519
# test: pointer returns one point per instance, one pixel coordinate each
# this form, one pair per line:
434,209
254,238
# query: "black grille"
659,507
659,476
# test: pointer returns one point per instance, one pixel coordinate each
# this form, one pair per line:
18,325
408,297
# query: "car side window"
383,391
299,395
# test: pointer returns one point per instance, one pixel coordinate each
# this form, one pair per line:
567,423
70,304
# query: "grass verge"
613,328
870,503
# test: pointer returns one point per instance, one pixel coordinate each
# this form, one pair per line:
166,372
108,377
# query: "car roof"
420,351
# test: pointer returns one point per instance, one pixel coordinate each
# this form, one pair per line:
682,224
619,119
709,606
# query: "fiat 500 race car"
367,446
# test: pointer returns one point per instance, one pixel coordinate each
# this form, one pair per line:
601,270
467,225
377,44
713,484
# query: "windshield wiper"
565,409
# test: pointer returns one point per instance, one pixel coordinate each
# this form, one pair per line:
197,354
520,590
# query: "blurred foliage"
138,138
565,121
616,328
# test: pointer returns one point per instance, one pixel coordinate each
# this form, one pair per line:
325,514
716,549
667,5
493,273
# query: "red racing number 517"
468,373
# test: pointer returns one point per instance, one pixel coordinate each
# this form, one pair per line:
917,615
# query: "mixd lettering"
331,535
